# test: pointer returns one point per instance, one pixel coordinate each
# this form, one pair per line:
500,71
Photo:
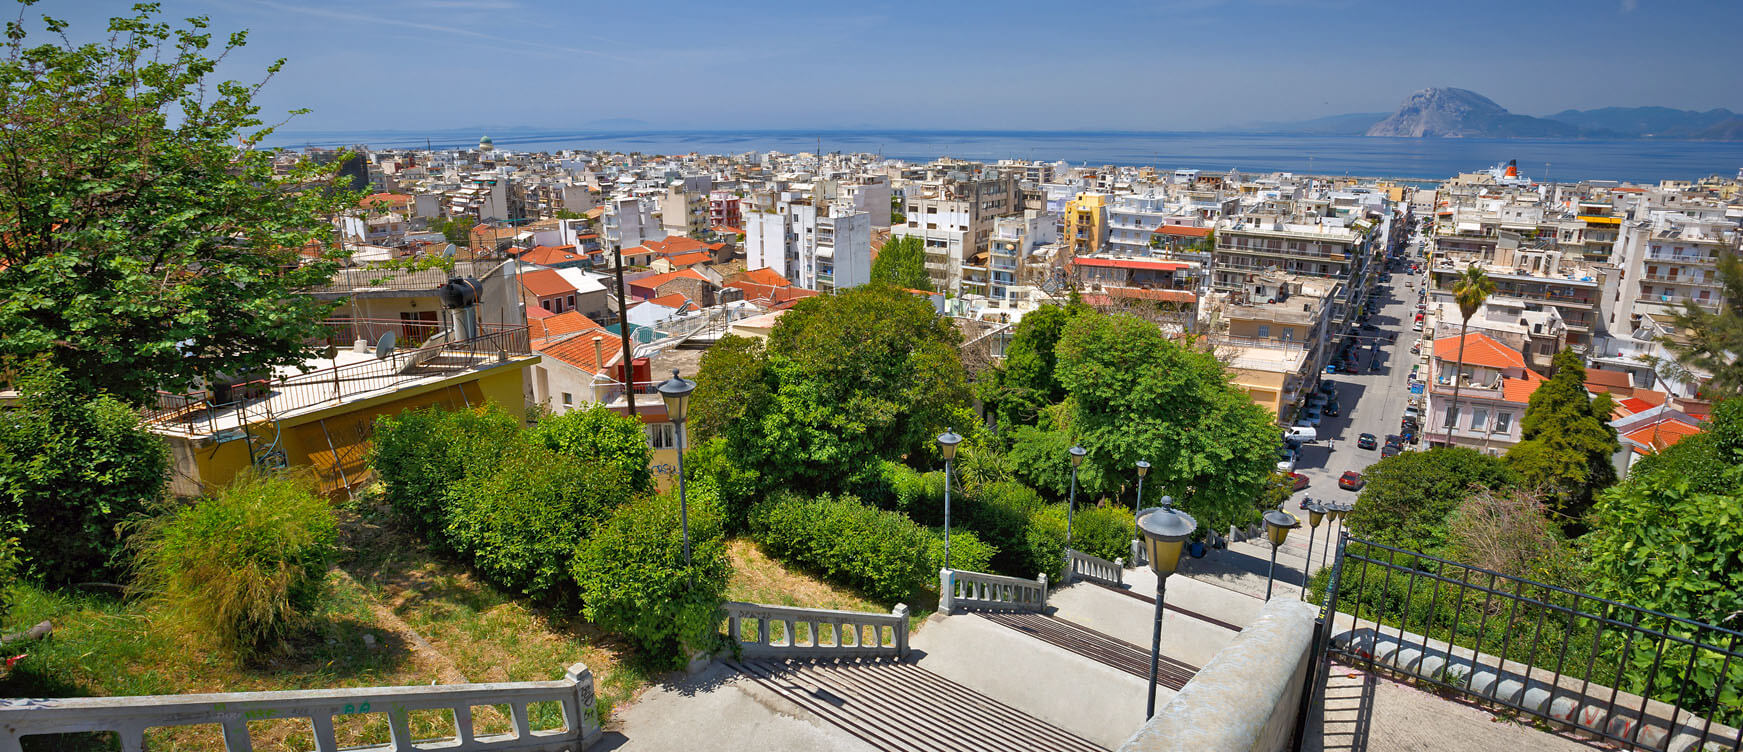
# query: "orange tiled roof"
763,276
545,255
689,259
1520,390
1479,350
660,279
567,322
545,282
1660,435
671,300
1613,380
1183,231
577,350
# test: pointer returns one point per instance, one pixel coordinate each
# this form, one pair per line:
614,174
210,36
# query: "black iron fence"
1635,677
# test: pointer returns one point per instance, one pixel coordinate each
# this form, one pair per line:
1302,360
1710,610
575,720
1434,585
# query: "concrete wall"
1245,698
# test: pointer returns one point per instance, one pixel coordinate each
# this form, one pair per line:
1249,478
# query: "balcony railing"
233,404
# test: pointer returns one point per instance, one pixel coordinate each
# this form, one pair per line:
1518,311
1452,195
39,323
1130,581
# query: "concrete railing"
1079,564
1564,698
129,717
958,589
1248,696
815,632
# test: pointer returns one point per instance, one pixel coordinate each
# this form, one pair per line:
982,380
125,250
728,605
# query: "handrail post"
584,721
946,592
901,630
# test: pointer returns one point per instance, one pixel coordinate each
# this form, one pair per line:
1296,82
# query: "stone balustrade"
129,717
961,590
1079,564
762,631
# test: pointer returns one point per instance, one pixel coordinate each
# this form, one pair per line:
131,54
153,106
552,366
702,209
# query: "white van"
1304,434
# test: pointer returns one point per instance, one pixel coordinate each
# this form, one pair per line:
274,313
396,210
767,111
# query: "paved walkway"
1367,713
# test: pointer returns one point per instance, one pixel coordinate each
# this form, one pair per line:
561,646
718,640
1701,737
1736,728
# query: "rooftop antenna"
448,252
384,346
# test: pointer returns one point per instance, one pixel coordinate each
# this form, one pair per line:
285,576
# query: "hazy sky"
1003,64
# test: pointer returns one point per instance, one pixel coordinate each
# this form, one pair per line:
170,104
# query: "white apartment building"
629,222
1666,259
1132,218
954,219
823,248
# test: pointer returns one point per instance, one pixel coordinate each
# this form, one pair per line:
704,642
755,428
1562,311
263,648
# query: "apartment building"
953,217
1535,277
1495,387
1274,330
628,222
684,208
822,248
1133,219
1085,221
1666,259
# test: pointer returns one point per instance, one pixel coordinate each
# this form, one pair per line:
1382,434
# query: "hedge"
881,553
633,581
418,454
1098,531
599,434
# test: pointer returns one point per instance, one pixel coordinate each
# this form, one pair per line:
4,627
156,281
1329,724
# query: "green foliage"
246,565
1098,531
1001,513
979,464
1020,389
709,468
73,467
1711,340
419,454
896,215
1567,442
967,551
457,230
731,384
1040,459
902,263
600,435
633,580
882,554
1408,496
857,377
1139,395
144,242
520,523
9,566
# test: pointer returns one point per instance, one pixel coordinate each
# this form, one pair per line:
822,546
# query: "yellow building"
321,419
1086,226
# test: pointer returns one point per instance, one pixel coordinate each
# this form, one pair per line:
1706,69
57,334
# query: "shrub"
633,581
999,513
1098,531
967,551
598,434
244,565
9,566
520,523
418,454
710,466
881,553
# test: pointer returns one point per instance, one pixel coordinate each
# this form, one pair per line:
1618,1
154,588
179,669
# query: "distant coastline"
1633,160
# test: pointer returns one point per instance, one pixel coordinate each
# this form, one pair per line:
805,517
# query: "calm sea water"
1539,159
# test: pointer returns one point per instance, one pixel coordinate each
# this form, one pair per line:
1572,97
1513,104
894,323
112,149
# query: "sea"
1412,159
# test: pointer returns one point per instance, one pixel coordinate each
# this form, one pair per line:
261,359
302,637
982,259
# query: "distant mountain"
1730,130
1461,113
1648,122
1354,124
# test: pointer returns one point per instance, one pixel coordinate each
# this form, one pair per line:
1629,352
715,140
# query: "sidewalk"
1366,713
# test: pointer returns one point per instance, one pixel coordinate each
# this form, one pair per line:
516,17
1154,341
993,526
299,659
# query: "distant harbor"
1638,161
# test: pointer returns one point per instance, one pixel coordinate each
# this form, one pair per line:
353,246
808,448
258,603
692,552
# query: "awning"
1594,220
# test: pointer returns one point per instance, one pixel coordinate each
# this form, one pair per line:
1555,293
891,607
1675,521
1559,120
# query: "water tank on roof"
460,292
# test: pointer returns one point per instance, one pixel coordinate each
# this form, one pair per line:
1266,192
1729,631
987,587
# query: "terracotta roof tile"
1520,390
1479,350
577,350
545,283
567,322
1666,432
762,276
545,255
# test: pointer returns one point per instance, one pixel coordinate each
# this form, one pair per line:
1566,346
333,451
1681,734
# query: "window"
568,399
1503,422
1264,330
662,435
1479,418
1451,417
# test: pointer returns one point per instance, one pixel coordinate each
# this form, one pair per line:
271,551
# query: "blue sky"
974,64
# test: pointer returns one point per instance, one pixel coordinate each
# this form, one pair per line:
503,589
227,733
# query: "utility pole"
623,328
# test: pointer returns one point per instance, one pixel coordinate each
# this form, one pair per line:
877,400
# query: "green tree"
600,434
865,375
73,468
896,215
1018,390
457,230
1136,395
144,241
1566,441
1408,497
1470,289
1710,341
731,383
902,262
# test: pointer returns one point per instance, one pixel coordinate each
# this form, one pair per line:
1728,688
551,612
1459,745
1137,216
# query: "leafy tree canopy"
1715,339
600,434
1025,384
144,242
902,262
1567,440
1138,395
865,375
1408,497
731,383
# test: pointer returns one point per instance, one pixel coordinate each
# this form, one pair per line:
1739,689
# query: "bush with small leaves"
633,580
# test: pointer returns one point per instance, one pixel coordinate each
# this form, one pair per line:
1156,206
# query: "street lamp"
676,393
1143,470
1338,511
947,442
1165,533
1278,523
1315,513
1077,455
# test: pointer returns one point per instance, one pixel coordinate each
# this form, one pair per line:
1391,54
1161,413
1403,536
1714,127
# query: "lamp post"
1338,511
1315,513
1077,454
1165,533
1278,523
676,393
947,442
1143,470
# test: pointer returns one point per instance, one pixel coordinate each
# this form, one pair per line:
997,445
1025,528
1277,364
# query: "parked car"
1299,480
1367,441
1350,481
1329,387
1310,417
1317,400
1332,410
1390,450
1394,440
1286,461
1412,413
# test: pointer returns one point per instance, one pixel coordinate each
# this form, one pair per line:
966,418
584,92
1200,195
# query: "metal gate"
1635,677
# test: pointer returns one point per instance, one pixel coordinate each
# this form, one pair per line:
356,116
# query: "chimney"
599,351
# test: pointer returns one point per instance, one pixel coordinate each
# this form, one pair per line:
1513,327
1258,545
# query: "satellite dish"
384,346
449,251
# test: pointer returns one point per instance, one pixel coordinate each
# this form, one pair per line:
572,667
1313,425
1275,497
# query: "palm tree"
1469,290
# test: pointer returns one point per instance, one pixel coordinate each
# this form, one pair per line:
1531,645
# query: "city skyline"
1188,65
